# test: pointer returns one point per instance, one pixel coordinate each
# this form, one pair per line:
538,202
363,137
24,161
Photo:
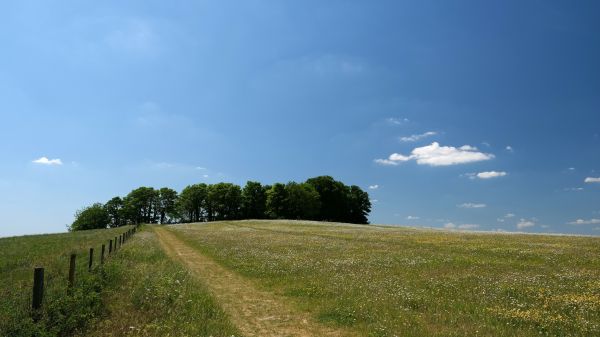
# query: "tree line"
320,198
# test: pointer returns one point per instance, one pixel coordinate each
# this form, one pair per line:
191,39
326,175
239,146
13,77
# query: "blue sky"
462,114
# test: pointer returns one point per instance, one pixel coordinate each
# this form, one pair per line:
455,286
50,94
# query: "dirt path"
255,312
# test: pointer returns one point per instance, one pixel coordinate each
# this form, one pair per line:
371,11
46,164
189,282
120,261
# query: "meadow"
390,281
139,291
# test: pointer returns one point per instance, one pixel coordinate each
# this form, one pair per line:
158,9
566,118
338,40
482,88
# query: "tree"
301,201
334,198
191,202
139,205
114,209
276,201
359,205
224,201
166,203
254,200
92,217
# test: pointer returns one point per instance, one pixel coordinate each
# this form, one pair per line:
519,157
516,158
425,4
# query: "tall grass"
138,291
62,313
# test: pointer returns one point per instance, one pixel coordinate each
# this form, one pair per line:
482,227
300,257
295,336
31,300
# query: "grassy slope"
139,286
397,281
155,296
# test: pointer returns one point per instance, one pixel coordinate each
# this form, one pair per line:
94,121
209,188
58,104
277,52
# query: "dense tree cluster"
320,198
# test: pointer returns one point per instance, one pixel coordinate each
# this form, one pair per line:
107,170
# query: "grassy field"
138,292
384,281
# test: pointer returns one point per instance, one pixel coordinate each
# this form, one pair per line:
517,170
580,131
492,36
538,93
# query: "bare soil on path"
255,312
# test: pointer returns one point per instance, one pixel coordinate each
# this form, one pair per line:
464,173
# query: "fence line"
38,272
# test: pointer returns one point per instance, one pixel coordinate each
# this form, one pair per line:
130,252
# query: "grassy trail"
255,312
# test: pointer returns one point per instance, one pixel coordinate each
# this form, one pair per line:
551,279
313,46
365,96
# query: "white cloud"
205,175
200,168
525,223
471,205
397,121
592,180
436,155
373,187
500,220
414,138
412,217
468,226
374,200
46,161
509,148
584,222
509,215
449,225
385,162
571,169
489,175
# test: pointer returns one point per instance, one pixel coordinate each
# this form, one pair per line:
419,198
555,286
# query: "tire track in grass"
255,312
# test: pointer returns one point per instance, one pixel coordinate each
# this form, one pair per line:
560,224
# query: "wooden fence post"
91,259
38,291
72,271
102,255
109,246
115,243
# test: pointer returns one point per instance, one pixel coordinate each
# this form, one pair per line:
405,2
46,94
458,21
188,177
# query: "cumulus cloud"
436,155
509,148
373,187
525,224
449,225
584,222
592,180
489,174
46,161
414,138
471,205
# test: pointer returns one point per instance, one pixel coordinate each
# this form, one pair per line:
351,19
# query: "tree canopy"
319,198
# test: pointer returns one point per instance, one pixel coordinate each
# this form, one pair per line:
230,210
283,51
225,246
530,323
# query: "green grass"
62,314
383,281
139,291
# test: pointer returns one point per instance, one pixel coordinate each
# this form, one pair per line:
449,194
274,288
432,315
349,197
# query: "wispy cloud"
412,217
373,187
525,224
509,149
592,180
436,155
471,205
451,225
132,35
584,222
46,161
396,121
488,175
573,189
385,162
509,215
414,138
